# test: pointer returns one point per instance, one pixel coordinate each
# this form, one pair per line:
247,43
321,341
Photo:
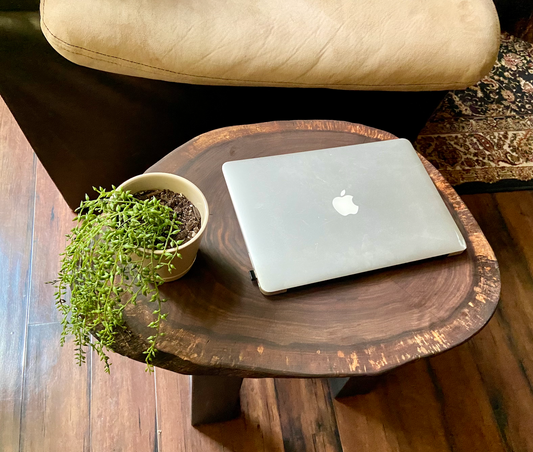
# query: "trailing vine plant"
108,263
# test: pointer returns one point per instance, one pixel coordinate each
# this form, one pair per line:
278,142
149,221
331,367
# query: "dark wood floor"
477,397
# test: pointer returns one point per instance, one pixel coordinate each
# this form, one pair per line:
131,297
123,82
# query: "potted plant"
126,243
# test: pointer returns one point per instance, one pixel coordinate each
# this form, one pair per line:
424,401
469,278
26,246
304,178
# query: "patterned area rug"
485,133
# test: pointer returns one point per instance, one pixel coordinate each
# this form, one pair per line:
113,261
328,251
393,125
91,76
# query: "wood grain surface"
307,426
219,323
52,224
507,344
44,376
476,397
123,407
55,408
257,429
17,178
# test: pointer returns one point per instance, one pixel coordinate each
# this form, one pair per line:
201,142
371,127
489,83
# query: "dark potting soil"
187,214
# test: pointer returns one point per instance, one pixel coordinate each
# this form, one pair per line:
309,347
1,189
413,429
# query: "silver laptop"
317,215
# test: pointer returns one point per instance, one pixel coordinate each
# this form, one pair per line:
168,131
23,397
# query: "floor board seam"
29,290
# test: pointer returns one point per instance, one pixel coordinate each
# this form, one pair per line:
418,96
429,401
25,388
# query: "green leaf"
97,278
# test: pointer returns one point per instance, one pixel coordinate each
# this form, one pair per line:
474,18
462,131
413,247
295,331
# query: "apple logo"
344,204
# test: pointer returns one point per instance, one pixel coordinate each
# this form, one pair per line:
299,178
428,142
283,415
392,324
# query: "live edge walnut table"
220,328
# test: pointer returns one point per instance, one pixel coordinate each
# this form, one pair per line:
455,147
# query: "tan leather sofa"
144,76
412,45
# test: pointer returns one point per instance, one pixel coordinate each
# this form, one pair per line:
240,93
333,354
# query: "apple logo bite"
344,204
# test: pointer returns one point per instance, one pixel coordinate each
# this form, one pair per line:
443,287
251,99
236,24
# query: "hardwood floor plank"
517,210
258,428
307,417
123,407
402,414
174,416
507,387
465,402
361,426
510,232
261,415
17,179
53,220
517,264
56,395
503,350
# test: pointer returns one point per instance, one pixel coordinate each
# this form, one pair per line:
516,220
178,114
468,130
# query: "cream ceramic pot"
161,181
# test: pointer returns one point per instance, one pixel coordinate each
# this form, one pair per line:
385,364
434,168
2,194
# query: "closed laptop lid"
317,215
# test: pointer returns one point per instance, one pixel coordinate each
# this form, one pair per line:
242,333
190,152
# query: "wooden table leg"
214,399
350,386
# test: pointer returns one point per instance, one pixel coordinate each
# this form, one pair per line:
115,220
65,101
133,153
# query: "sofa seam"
154,72
448,86
68,46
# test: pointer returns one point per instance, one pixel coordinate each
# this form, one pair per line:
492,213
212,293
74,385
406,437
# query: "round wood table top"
219,323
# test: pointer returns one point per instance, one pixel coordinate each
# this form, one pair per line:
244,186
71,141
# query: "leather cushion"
406,45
